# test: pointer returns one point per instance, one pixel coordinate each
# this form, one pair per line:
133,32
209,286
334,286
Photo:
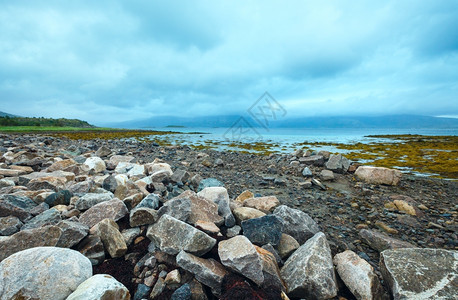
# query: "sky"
111,61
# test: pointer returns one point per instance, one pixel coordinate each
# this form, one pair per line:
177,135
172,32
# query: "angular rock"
155,167
6,183
94,164
240,255
307,172
207,227
48,217
244,195
8,209
172,236
25,179
150,201
182,293
60,198
245,213
209,182
179,208
316,160
327,175
263,230
337,163
207,271
309,271
99,287
287,245
220,196
116,159
274,252
113,209
270,270
358,275
43,273
112,239
130,234
180,175
61,165
296,223
72,233
378,175
103,151
316,182
201,209
417,273
11,173
47,183
143,216
9,225
265,204
233,231
110,183
91,199
380,241
130,169
92,247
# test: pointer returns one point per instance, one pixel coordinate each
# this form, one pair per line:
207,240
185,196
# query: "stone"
209,182
11,173
48,217
99,287
265,204
182,293
263,230
6,183
130,169
202,209
244,195
61,165
379,241
114,209
274,252
130,234
233,231
197,290
103,151
179,208
296,223
327,175
306,172
316,160
142,216
133,200
116,159
112,239
385,227
287,245
358,275
9,225
220,196
172,236
8,209
245,213
62,197
142,292
151,201
92,247
316,182
180,175
43,273
81,187
156,167
207,227
337,163
72,233
47,183
158,288
66,176
270,270
110,183
94,164
420,273
309,271
173,278
378,175
240,255
91,199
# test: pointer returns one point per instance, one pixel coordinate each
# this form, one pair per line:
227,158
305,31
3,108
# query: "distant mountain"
4,114
390,121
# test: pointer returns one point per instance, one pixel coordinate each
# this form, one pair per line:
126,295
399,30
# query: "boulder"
94,164
358,275
9,225
92,247
100,287
263,230
155,167
202,209
47,183
265,204
91,199
25,239
296,223
130,169
380,241
182,293
48,217
309,271
420,273
116,159
114,209
112,239
110,183
240,255
179,208
337,163
150,201
220,196
62,165
72,233
287,245
172,236
142,216
43,273
9,209
316,160
378,175
209,182
270,270
244,195
60,198
103,151
327,175
246,213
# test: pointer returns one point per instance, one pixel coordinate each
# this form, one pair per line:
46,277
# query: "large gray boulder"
296,223
201,209
338,163
25,239
43,273
172,235
72,233
220,196
114,209
100,287
419,273
309,271
207,271
179,208
263,230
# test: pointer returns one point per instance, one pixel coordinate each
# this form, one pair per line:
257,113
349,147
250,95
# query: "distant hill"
11,120
4,114
390,121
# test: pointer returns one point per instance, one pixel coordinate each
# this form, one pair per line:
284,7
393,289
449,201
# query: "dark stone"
8,209
59,198
182,293
209,182
142,292
92,247
110,184
263,230
150,201
9,225
48,217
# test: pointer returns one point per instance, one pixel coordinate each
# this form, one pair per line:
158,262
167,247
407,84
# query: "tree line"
43,122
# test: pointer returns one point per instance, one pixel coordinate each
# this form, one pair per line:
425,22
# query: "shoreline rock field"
123,219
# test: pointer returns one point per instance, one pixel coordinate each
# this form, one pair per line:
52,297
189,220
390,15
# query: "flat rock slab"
91,199
309,271
172,235
380,241
420,273
296,223
25,239
112,209
48,217
378,175
43,273
265,204
100,286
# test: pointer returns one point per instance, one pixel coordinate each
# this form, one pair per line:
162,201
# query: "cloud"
117,60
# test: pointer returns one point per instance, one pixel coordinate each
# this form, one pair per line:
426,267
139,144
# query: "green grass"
24,129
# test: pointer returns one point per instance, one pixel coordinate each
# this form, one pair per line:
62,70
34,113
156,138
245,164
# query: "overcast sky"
120,60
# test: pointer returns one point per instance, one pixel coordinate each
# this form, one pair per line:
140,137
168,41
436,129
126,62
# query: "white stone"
100,287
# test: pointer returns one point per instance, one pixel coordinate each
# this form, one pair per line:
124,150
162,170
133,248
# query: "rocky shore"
123,219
